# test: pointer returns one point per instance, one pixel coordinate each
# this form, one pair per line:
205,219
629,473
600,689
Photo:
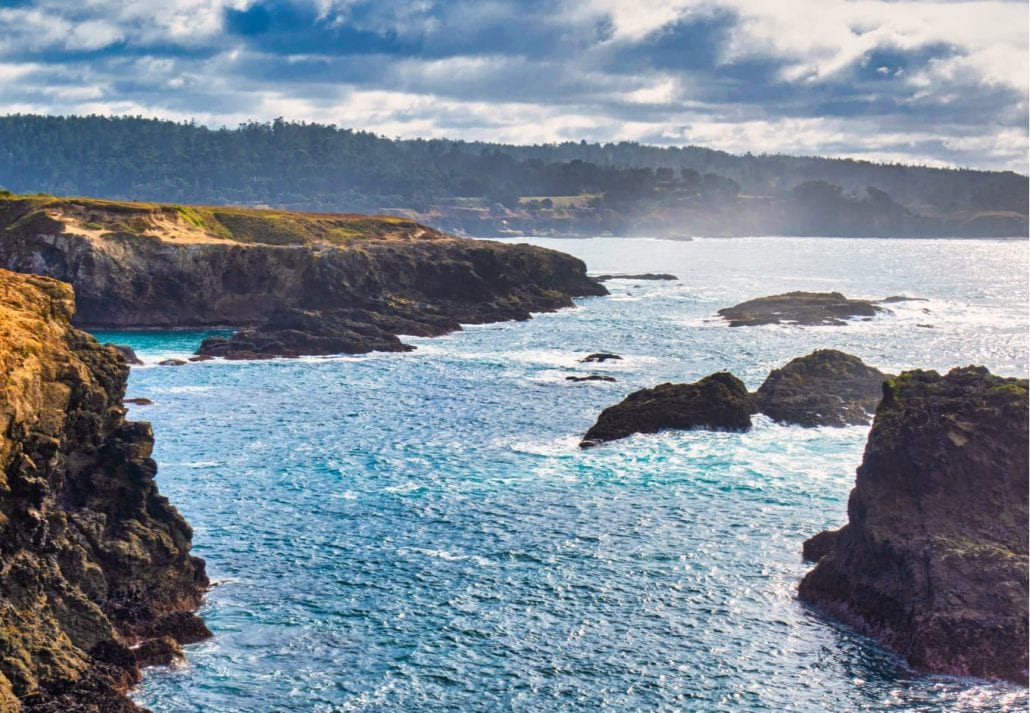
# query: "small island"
805,308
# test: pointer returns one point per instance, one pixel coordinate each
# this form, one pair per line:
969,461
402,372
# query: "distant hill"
495,189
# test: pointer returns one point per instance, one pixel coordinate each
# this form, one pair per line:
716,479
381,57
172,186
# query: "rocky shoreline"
96,575
295,283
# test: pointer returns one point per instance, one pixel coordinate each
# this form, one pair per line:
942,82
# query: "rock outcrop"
933,560
651,276
299,283
600,357
128,353
825,388
719,402
807,308
92,557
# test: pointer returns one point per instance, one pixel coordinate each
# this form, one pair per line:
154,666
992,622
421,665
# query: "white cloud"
543,94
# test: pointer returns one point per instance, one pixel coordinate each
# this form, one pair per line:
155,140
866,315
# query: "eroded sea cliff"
96,575
302,283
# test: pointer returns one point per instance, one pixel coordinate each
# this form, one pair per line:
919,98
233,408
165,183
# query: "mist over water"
420,531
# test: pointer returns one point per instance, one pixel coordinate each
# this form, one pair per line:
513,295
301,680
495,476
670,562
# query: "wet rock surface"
90,553
719,402
825,388
933,559
592,377
600,357
806,308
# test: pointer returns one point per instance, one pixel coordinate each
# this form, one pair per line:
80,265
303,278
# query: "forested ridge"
485,188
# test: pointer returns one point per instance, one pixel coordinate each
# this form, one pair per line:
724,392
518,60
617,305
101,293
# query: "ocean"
420,531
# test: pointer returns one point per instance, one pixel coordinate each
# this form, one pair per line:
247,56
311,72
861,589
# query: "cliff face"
141,265
933,560
92,557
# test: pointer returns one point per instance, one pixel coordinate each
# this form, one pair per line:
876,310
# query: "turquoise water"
400,532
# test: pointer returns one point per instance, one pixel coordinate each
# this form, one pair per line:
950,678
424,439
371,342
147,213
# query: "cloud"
925,81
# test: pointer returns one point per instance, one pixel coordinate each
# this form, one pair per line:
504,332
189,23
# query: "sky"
932,82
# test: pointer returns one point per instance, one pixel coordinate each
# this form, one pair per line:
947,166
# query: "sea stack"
719,402
92,558
933,560
824,388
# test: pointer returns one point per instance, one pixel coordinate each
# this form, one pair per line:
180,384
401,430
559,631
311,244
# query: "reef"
93,560
806,308
294,283
824,388
933,559
719,402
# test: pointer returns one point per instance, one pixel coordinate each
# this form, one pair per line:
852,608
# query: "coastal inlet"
420,531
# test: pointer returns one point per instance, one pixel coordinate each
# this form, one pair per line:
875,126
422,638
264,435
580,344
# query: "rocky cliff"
144,265
933,560
93,559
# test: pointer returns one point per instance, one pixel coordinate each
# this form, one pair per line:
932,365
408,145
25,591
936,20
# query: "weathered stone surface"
808,308
157,652
354,282
825,388
90,552
719,402
127,353
933,560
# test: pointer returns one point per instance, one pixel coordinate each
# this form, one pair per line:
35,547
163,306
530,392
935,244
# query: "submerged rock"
91,554
933,560
600,357
825,388
138,401
808,308
719,402
592,377
172,362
